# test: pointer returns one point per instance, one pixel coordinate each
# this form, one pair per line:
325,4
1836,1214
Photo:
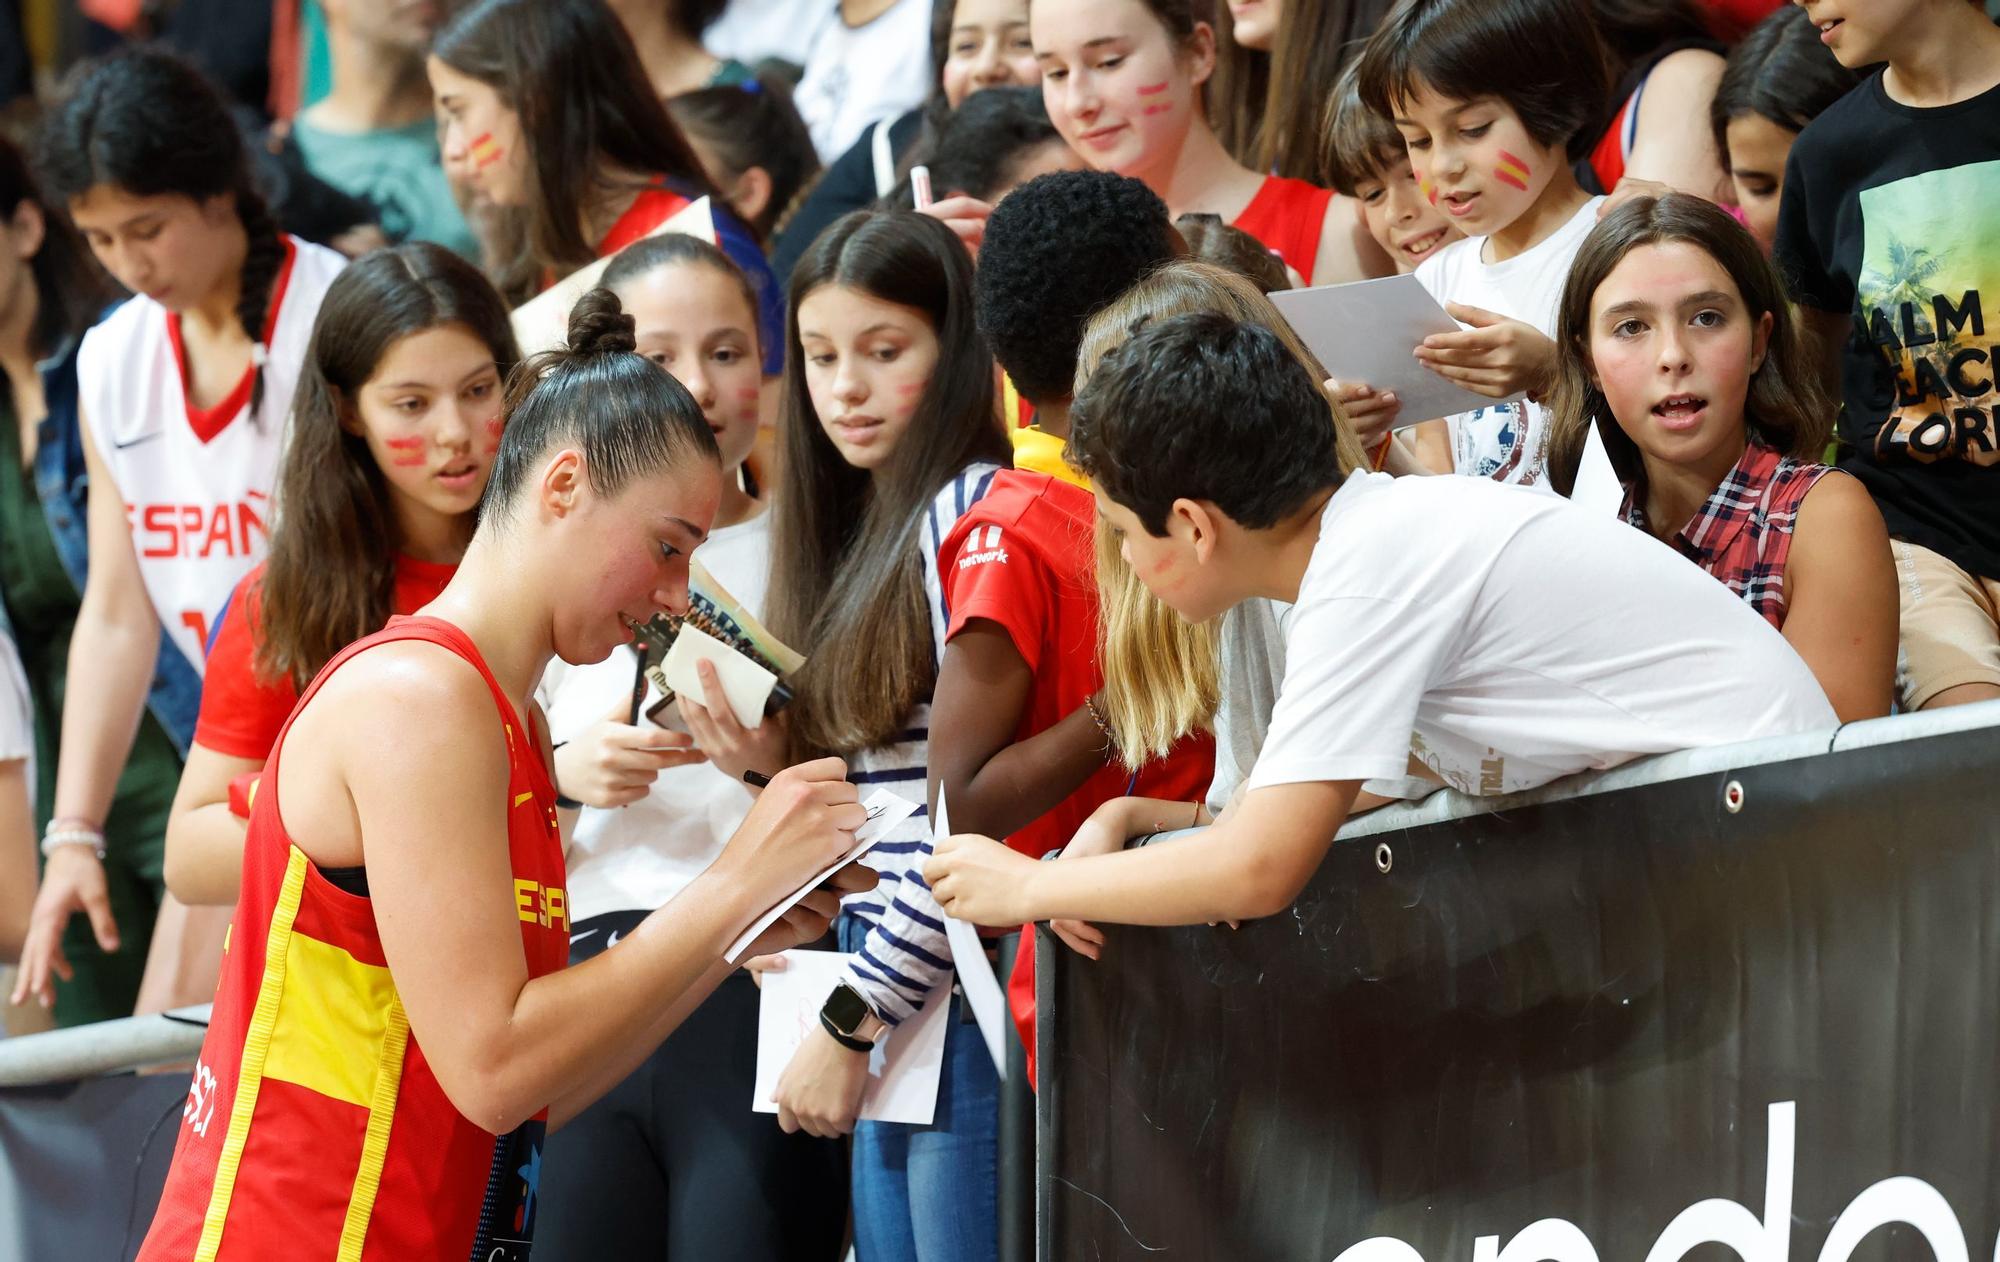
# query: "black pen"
638,689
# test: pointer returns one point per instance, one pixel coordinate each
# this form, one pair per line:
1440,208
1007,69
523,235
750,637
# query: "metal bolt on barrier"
1732,796
1384,858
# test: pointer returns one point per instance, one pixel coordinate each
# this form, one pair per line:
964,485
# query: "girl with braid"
183,399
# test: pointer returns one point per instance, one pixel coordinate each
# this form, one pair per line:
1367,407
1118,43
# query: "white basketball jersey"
197,485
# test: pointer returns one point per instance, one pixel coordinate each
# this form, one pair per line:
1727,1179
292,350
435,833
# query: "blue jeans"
930,1193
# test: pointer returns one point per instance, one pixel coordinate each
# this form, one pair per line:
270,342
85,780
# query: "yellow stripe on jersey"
375,1144
331,1039
256,1045
524,797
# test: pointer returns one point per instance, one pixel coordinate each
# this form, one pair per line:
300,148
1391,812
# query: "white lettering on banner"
1901,1199
1546,1240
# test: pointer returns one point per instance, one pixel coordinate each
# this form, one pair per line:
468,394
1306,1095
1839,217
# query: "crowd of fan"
1069,524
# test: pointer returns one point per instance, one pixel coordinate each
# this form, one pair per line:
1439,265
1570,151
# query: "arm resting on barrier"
1253,862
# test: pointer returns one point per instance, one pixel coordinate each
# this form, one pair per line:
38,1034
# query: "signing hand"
805,921
72,882
820,1091
1496,357
615,763
731,747
981,881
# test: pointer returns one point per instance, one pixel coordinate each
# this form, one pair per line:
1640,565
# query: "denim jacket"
64,487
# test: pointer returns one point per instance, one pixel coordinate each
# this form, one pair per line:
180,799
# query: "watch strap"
847,1041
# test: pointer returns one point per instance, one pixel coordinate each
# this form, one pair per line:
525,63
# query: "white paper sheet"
542,322
1368,330
975,976
746,684
903,1069
885,811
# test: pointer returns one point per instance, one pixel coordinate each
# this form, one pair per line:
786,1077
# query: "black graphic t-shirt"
1892,213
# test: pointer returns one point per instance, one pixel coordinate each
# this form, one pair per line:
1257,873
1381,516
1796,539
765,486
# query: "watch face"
846,1009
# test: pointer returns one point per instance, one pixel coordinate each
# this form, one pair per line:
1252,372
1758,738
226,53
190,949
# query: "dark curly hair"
1057,249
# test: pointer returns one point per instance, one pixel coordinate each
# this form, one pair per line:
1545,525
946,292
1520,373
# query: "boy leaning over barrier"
1488,638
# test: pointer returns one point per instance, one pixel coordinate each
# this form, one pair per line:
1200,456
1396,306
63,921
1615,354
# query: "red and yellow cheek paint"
1157,107
1424,187
485,151
405,453
493,427
1512,171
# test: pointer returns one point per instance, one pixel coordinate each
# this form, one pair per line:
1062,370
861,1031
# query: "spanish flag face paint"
485,151
1424,187
1512,171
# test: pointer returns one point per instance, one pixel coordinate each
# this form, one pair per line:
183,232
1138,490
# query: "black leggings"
673,1164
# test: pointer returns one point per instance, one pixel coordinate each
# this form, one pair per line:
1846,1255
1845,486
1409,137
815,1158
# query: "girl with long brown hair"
393,434
1675,343
889,434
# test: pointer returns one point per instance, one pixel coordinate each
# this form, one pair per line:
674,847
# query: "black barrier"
1610,1027
82,1165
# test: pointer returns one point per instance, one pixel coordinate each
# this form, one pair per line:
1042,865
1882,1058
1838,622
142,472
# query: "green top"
42,604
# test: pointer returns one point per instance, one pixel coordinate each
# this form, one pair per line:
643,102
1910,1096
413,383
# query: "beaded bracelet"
73,835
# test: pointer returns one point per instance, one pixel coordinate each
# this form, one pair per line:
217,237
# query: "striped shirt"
904,956
1743,534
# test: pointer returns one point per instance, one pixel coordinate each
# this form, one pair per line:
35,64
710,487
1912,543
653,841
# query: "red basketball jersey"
315,1128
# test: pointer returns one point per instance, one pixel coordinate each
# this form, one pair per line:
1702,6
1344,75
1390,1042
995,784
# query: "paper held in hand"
1368,331
746,684
885,811
904,1068
975,975
542,322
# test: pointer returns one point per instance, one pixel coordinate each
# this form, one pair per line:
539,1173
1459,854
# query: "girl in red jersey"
1123,80
182,395
547,113
393,997
394,431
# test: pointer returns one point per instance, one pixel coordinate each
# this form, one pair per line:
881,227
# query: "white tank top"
197,485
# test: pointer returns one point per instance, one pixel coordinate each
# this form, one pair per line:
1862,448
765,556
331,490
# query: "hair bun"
598,325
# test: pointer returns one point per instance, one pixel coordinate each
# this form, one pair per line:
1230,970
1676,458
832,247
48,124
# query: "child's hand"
1629,188
1371,413
1105,832
1496,357
820,1090
965,216
981,881
731,747
615,763
758,965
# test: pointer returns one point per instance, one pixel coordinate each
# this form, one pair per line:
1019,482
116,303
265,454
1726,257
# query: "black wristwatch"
847,1017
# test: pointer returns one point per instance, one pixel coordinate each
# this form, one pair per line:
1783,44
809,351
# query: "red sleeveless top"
314,1127
1287,216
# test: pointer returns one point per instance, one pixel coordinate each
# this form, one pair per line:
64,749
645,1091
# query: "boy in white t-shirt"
1490,639
1486,96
